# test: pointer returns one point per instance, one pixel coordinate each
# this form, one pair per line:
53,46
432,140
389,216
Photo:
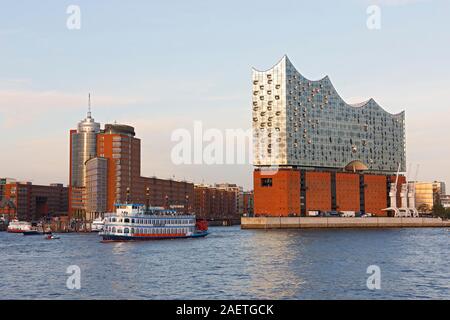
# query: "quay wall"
337,222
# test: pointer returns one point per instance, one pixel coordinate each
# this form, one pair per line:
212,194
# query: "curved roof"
371,103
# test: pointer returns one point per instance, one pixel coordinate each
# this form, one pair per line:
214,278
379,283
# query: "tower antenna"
89,106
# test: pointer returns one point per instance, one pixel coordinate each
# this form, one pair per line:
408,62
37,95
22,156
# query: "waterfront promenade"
338,222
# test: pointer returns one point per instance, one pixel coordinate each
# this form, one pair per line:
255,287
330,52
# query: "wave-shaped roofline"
362,104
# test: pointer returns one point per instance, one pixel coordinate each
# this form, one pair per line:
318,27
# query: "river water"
232,264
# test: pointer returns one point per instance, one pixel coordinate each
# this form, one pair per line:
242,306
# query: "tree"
423,208
440,211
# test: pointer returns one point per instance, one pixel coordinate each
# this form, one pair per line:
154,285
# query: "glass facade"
96,185
304,123
84,147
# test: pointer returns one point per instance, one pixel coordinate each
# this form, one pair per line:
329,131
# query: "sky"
161,65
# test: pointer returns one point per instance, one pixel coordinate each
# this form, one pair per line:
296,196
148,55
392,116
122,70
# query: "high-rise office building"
330,155
83,146
118,144
105,169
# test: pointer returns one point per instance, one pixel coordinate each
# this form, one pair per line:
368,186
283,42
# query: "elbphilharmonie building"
329,155
304,123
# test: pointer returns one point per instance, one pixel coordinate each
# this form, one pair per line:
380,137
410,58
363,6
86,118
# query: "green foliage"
441,212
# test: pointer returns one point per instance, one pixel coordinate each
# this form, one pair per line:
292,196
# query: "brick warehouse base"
295,192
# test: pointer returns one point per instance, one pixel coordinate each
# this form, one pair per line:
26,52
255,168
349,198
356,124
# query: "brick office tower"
122,149
323,154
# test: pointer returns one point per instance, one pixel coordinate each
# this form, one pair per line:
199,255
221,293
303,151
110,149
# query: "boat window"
132,220
132,230
113,219
127,220
126,230
114,230
119,230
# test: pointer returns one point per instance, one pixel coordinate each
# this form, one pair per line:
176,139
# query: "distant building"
315,152
445,201
239,191
178,195
29,202
213,203
248,203
428,194
439,187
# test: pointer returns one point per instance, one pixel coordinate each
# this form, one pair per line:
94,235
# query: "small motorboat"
51,237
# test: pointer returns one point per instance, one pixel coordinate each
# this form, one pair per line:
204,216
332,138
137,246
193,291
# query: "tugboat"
34,231
136,222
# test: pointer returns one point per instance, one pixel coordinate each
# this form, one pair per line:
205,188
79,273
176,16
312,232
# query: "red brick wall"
33,202
282,198
318,191
347,192
215,203
375,194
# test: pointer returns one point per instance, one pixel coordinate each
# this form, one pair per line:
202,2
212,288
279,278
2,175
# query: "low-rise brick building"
25,201
213,203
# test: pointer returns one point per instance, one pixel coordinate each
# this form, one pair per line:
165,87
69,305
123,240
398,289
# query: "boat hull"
34,233
117,238
15,231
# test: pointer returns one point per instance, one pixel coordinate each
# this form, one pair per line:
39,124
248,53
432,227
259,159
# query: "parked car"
348,214
367,215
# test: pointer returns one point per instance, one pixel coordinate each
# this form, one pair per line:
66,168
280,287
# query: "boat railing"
152,216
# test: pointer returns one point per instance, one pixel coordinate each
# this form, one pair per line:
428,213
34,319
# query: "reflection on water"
272,268
232,264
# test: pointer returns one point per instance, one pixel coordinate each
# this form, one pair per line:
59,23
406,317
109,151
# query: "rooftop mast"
89,114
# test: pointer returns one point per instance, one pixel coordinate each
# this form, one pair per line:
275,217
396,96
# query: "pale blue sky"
162,65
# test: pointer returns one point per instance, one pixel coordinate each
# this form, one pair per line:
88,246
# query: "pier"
338,222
